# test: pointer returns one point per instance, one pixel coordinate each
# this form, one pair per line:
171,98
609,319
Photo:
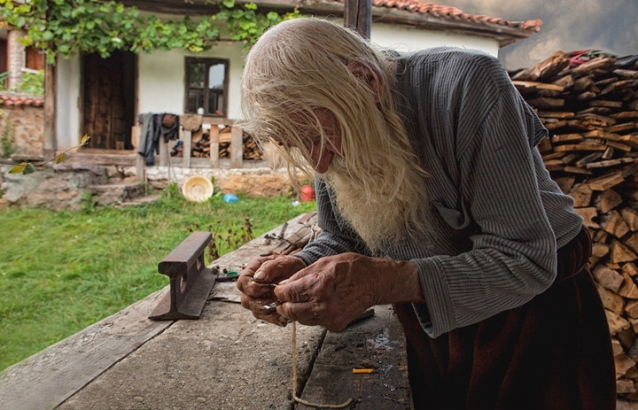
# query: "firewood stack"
591,112
201,146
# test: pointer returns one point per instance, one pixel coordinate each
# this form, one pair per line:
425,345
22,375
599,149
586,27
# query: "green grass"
62,271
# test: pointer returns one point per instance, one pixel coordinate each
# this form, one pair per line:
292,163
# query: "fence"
213,127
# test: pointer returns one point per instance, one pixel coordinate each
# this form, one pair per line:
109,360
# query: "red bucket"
307,193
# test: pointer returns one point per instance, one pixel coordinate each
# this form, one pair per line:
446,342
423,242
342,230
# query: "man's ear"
371,76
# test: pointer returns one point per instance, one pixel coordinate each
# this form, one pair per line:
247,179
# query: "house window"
206,86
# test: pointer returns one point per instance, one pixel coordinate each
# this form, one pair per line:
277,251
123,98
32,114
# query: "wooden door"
108,100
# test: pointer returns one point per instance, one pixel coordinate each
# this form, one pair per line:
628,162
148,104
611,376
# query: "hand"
255,283
331,292
336,290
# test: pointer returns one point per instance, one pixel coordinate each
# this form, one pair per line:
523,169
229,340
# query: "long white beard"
371,211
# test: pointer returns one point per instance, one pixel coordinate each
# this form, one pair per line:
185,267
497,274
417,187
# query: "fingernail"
259,275
283,282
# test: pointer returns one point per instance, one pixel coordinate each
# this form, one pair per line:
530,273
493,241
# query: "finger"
254,289
279,268
253,266
256,307
296,289
306,313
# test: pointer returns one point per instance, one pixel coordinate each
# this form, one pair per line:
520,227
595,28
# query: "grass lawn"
62,271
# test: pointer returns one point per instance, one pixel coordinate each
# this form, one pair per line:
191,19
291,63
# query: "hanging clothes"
154,126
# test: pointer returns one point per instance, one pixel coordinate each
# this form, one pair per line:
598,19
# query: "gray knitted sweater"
498,217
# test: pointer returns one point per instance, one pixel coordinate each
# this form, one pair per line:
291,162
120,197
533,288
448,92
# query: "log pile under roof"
591,112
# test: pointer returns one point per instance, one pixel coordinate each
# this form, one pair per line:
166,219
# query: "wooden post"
357,15
49,143
186,151
214,146
140,163
236,147
163,152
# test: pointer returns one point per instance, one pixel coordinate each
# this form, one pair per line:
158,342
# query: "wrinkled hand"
331,292
255,283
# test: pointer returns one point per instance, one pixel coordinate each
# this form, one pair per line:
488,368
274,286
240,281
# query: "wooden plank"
214,146
48,378
49,131
535,85
555,114
140,164
186,153
376,343
236,147
546,103
609,163
605,103
163,153
580,147
357,15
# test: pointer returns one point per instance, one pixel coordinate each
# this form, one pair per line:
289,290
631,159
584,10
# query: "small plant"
32,83
7,140
232,240
87,204
172,190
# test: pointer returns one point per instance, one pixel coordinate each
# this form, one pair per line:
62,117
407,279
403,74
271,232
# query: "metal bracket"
190,280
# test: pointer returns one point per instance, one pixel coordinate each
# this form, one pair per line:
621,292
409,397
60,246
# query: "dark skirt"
552,353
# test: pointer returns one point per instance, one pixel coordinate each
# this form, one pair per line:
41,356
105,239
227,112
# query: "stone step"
140,200
116,194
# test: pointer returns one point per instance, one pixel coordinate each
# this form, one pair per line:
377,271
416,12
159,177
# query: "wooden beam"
49,143
236,147
358,16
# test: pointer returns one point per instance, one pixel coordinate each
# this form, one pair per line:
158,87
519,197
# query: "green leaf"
24,168
29,169
229,3
18,168
61,158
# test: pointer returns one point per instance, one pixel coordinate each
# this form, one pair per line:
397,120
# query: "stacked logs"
200,140
591,112
201,147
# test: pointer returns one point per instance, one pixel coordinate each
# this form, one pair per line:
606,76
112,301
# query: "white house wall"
68,102
162,78
161,81
407,39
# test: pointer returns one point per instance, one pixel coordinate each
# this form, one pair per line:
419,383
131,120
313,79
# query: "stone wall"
57,189
67,185
26,124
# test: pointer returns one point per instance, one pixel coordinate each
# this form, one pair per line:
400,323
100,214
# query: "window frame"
206,91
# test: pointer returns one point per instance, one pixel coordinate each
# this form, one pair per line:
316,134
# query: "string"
294,379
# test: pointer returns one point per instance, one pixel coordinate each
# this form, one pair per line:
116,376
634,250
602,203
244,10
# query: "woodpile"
591,112
200,147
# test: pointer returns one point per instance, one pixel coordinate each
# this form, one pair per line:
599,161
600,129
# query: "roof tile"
441,11
27,100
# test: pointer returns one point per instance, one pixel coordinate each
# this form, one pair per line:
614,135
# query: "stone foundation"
48,188
255,182
67,185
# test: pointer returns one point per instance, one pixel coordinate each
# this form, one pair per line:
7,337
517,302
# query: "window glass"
206,84
216,76
196,74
